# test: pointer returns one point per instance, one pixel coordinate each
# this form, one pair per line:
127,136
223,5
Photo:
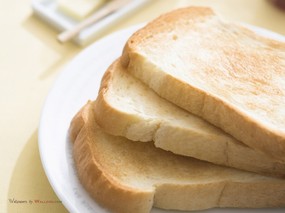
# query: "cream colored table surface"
30,61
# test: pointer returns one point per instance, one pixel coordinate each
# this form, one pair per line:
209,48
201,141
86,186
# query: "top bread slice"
126,107
128,177
222,72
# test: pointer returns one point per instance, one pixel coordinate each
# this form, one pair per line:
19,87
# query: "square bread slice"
220,71
126,107
129,177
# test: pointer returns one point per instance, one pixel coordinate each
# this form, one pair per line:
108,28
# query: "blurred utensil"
107,9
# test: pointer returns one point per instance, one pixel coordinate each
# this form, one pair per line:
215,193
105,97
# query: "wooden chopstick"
107,9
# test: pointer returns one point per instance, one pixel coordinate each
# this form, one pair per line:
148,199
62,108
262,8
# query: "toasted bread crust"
108,191
164,22
108,118
216,107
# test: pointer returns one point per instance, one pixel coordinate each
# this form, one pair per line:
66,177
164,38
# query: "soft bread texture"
222,72
126,107
128,177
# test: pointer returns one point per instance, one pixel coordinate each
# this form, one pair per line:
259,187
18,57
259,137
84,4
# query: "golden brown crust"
96,180
218,107
160,25
107,117
76,125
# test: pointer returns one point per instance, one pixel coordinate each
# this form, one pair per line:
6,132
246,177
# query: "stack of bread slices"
190,117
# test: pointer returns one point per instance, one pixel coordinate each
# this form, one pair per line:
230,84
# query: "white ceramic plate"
78,83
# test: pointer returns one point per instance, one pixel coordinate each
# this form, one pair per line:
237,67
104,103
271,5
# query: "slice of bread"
222,72
128,177
126,107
